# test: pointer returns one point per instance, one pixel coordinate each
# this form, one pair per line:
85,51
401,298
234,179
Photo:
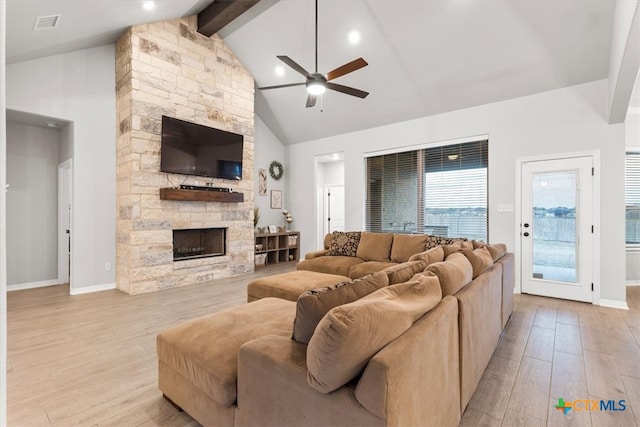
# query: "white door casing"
333,208
65,171
556,228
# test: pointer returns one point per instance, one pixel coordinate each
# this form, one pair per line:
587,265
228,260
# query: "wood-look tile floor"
90,360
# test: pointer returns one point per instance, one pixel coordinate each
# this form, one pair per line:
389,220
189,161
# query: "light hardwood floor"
90,359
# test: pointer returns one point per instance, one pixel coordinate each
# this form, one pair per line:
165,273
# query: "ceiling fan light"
316,88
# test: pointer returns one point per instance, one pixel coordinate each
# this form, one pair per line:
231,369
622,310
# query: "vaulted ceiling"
425,57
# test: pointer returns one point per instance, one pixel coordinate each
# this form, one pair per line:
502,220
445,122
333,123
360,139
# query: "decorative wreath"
276,170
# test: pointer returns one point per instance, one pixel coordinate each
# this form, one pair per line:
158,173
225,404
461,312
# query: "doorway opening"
39,175
330,194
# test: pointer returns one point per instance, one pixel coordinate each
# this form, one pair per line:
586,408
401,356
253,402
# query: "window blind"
440,190
632,197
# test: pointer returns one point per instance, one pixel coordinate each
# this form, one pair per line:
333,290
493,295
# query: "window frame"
631,247
417,148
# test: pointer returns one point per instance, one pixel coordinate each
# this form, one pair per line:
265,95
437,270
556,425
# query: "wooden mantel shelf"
199,195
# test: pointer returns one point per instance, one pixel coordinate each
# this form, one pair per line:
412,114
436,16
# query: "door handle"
525,234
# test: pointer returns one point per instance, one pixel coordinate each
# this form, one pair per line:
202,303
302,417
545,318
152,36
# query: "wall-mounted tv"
192,149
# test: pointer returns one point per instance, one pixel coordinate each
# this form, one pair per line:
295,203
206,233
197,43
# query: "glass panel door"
556,236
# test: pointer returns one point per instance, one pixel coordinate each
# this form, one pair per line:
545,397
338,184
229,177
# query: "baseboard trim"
614,304
32,285
94,288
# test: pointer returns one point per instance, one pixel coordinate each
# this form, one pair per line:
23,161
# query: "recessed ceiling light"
354,37
51,124
149,5
279,70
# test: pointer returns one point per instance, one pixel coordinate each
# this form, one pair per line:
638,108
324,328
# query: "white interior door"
334,208
556,229
64,221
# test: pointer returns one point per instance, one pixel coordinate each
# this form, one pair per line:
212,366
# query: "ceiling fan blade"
281,86
348,90
311,100
293,64
354,65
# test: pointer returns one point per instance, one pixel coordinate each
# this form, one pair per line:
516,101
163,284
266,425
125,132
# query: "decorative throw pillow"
405,245
429,256
433,241
344,243
375,246
351,334
480,259
312,305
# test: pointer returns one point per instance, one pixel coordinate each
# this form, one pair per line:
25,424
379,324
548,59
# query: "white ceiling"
425,56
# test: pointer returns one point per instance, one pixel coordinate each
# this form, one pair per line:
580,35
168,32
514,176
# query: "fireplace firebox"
199,243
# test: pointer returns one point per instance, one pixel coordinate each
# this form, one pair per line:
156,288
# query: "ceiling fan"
317,83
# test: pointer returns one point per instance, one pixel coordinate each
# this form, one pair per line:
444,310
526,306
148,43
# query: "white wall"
79,87
3,240
32,204
66,143
267,149
568,120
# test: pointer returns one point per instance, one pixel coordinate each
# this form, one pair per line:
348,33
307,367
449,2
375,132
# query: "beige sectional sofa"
356,254
394,348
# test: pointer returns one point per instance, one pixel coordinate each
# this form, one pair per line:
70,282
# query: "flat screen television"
192,149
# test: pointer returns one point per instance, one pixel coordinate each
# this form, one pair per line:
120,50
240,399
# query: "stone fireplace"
168,68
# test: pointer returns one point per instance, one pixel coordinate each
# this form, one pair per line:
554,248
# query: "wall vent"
43,22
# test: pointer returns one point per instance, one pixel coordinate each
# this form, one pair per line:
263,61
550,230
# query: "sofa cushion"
290,285
375,246
327,240
205,350
454,273
451,248
399,273
349,335
405,245
344,243
497,251
314,304
429,256
480,259
368,267
466,244
330,264
478,244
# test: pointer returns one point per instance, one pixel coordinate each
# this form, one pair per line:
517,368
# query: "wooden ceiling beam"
221,12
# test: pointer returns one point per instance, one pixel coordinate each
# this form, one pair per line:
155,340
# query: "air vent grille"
44,22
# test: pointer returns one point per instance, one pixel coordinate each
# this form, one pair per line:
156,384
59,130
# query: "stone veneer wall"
167,68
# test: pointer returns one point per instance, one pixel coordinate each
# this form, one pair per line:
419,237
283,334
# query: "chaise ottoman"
198,360
290,285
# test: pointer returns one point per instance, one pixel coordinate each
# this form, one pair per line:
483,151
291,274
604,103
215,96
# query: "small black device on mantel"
193,149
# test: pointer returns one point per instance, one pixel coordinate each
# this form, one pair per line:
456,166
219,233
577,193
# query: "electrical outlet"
107,266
